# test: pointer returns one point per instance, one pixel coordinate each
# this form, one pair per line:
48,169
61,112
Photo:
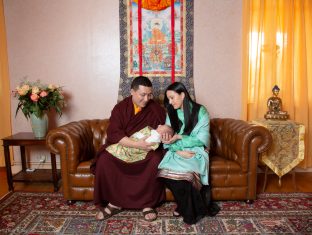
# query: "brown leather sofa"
234,151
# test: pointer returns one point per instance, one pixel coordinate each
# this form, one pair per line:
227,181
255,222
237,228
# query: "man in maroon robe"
130,185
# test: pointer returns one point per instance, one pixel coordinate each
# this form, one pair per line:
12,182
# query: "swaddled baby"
130,154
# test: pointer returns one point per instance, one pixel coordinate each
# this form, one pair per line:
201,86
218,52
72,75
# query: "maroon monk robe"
129,185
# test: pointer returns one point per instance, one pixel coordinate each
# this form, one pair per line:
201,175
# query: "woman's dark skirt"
190,203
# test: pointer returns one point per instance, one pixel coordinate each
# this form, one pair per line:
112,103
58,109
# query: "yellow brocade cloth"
287,150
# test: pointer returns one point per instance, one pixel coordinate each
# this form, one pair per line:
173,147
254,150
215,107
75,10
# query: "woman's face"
175,99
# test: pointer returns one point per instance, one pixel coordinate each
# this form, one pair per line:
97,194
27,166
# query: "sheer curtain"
5,96
277,49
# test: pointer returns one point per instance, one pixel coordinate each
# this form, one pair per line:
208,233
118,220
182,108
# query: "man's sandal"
103,215
150,211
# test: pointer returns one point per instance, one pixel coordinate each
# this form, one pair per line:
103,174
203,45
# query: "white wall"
218,56
75,43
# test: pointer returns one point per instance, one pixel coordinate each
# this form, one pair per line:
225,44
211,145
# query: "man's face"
142,95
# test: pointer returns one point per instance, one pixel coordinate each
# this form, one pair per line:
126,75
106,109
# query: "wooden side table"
287,150
23,139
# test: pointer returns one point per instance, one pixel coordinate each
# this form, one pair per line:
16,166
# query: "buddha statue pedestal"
276,116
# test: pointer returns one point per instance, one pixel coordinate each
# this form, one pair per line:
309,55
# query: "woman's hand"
185,153
167,139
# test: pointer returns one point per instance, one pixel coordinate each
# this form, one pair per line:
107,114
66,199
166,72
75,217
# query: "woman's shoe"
176,214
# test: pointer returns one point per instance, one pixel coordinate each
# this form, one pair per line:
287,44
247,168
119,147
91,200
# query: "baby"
129,154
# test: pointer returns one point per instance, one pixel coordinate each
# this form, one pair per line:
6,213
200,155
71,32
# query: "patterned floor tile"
85,225
239,225
177,226
276,225
48,224
144,227
119,226
301,224
209,225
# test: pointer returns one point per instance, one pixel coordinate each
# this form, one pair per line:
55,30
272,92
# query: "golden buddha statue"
275,106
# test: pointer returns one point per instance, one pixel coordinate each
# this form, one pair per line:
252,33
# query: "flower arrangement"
36,98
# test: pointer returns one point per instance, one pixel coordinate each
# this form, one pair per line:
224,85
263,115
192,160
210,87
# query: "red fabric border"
172,43
140,36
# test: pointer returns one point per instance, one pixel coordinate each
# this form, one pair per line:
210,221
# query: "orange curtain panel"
277,50
5,95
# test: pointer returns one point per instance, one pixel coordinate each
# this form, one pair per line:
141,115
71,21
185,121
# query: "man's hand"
142,144
185,153
167,139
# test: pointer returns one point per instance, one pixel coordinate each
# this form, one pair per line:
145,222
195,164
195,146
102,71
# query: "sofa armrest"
77,141
239,141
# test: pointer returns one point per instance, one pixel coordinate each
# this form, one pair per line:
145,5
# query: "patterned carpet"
48,213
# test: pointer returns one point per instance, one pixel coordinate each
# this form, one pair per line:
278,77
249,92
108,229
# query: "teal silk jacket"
196,142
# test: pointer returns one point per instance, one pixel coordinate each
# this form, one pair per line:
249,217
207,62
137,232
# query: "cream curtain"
5,95
277,49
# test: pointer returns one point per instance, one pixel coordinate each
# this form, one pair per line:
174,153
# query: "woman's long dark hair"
190,109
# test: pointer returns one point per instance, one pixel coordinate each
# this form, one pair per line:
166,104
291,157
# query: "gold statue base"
276,116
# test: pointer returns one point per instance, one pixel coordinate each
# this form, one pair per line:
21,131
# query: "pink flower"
43,94
34,97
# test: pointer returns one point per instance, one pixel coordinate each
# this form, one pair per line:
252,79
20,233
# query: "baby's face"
162,129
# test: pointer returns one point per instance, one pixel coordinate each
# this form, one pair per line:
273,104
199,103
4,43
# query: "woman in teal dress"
185,165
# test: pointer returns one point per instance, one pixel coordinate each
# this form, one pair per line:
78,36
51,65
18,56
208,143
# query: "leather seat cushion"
221,165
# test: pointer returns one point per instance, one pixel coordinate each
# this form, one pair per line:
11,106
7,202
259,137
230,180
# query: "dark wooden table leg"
8,167
265,178
54,172
294,179
23,157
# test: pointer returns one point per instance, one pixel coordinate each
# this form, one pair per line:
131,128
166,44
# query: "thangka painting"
147,30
